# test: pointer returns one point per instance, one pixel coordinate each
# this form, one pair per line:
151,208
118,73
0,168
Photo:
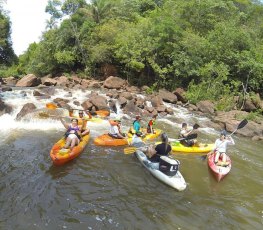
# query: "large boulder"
114,83
29,80
62,81
180,93
99,102
167,96
27,108
156,101
206,107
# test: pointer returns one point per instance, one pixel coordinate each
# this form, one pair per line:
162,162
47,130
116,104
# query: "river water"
105,189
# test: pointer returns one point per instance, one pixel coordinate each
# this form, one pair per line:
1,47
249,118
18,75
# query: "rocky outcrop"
27,108
29,80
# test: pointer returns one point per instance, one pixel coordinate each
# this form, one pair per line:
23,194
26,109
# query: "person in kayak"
73,134
84,130
151,123
136,125
115,129
221,146
162,149
137,140
184,132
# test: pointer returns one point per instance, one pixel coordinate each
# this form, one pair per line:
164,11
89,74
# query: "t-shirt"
114,130
160,150
136,126
220,146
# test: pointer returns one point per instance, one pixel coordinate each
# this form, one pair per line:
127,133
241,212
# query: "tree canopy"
162,43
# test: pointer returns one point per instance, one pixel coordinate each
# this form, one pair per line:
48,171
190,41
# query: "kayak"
147,136
107,140
218,171
176,181
60,156
178,147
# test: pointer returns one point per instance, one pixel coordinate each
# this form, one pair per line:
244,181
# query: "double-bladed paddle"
101,113
241,125
130,150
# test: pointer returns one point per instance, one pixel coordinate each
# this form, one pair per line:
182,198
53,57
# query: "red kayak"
219,171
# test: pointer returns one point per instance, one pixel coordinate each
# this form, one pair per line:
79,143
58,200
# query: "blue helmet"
223,133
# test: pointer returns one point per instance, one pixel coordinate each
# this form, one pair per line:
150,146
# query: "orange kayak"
61,156
107,140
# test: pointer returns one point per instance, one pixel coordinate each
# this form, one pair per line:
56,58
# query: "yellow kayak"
147,136
203,148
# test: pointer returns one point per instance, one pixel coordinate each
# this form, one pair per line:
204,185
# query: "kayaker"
162,149
221,146
136,125
115,129
151,123
184,132
137,140
85,130
73,134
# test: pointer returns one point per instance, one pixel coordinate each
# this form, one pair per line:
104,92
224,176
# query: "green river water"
105,189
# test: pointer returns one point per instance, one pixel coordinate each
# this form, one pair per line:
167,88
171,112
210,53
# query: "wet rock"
62,81
6,88
114,83
5,108
27,108
156,101
122,101
29,80
99,102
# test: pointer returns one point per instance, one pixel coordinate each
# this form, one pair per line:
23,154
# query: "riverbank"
131,100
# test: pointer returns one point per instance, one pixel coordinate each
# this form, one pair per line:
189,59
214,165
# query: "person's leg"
216,156
67,144
224,157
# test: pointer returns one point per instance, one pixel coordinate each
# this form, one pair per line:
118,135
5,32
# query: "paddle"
240,126
130,150
101,113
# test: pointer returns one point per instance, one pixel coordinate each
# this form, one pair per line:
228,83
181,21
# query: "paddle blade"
242,124
129,150
51,106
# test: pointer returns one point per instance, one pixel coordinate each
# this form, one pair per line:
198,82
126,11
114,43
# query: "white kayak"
176,181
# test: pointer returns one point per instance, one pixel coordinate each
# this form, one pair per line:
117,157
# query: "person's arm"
88,113
230,140
64,123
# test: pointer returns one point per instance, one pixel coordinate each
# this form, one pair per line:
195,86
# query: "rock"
99,102
27,108
62,81
49,82
4,108
30,80
126,95
10,81
114,83
249,106
122,101
205,107
180,93
167,96
6,88
156,101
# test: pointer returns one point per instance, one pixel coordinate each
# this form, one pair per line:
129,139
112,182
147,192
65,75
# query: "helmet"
223,133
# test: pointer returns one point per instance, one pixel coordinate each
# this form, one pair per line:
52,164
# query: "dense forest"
214,49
